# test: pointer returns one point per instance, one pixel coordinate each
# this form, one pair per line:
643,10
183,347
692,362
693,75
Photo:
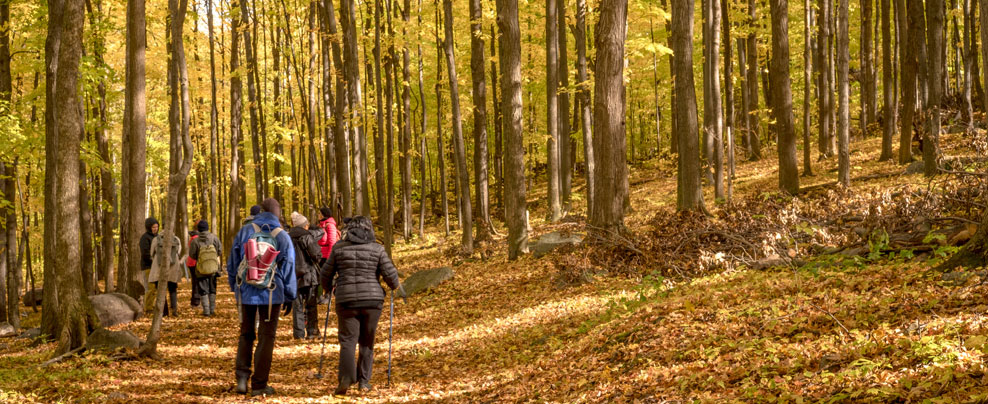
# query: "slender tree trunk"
782,97
728,96
583,95
689,195
935,12
423,147
479,118
843,86
825,140
133,200
236,94
459,149
713,120
497,163
562,103
868,87
983,16
406,131
342,153
889,107
8,281
552,109
914,35
807,84
379,132
73,315
87,256
358,138
512,110
754,124
970,58
440,148
252,103
14,276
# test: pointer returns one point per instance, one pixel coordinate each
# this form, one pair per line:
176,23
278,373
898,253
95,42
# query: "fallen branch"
62,357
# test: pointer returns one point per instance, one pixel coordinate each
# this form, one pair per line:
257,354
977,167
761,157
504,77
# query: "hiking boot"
365,386
266,391
241,385
341,389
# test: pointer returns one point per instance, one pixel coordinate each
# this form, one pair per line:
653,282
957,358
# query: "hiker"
206,252
305,321
254,211
172,275
353,272
331,234
190,264
261,290
151,231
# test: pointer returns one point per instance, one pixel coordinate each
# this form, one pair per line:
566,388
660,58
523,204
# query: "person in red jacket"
332,234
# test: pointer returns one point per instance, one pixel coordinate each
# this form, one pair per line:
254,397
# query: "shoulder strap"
256,227
275,232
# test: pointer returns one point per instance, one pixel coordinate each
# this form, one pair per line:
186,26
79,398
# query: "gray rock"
424,280
103,339
552,241
7,330
915,167
116,396
32,298
31,333
115,308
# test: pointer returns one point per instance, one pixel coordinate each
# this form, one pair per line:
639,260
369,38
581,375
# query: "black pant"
305,313
195,287
172,297
206,285
264,334
356,325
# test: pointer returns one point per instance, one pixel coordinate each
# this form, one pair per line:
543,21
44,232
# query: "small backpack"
209,258
191,262
257,268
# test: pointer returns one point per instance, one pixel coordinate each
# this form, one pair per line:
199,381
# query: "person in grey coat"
353,272
305,319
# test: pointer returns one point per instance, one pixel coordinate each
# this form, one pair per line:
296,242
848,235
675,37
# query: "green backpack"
209,259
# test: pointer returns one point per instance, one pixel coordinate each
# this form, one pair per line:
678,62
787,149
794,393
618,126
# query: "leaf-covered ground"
834,328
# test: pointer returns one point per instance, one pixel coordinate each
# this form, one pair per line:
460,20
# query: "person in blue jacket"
260,307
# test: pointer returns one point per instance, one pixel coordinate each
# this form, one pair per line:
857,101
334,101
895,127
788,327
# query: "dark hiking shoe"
267,391
365,386
341,390
241,385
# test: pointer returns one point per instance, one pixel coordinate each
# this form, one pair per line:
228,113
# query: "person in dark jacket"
305,321
190,263
254,211
151,227
260,307
353,272
207,283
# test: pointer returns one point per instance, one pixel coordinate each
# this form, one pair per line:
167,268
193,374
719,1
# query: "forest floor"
632,327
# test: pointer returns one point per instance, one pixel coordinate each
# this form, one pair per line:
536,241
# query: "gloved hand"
288,308
402,294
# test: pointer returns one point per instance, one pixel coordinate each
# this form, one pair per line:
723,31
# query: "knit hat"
202,225
298,220
255,210
326,212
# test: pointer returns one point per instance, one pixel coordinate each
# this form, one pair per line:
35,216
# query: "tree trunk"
497,162
562,103
552,109
342,153
9,270
73,315
935,11
807,84
728,96
180,157
889,107
459,149
87,256
782,98
754,130
914,36
868,87
843,91
14,276
423,147
984,45
689,192
252,103
406,131
713,123
351,68
440,149
609,128
379,132
511,107
133,200
479,117
826,140
583,95
970,58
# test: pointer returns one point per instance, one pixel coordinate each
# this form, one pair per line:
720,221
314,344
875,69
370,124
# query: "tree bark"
511,107
552,109
889,107
477,59
351,68
562,103
914,35
807,84
843,86
609,127
440,149
379,132
970,58
459,149
983,16
868,86
583,95
782,97
754,124
133,200
406,131
826,141
935,12
728,96
689,195
713,120
73,315
342,152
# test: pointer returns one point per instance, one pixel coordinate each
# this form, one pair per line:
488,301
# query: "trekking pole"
391,321
325,332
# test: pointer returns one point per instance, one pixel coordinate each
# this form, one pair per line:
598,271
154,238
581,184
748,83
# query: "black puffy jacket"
307,256
357,264
145,243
